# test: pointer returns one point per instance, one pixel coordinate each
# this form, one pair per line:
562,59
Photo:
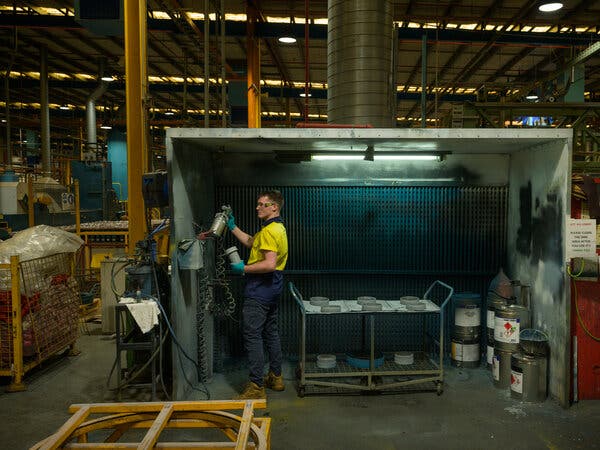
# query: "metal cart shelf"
426,372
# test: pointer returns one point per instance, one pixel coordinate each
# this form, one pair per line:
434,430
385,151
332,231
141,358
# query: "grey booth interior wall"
539,202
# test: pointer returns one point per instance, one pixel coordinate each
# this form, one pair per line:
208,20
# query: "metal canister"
467,316
501,368
528,377
465,352
219,224
493,302
508,323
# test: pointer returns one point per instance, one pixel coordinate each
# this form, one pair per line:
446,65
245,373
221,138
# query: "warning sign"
581,238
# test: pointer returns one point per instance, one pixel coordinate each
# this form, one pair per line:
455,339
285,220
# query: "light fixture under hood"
376,157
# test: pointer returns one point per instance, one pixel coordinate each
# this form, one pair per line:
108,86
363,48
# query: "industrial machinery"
54,203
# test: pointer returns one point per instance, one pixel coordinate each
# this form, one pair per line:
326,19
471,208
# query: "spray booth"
489,198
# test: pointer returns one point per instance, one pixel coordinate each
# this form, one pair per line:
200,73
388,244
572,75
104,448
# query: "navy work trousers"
260,331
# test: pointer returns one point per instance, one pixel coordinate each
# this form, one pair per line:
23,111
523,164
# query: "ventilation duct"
90,112
359,63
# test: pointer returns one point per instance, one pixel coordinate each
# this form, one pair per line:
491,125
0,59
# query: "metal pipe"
359,59
185,86
423,80
206,64
306,61
9,155
44,112
223,74
90,109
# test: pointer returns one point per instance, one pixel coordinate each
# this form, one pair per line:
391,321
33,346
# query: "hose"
576,300
211,302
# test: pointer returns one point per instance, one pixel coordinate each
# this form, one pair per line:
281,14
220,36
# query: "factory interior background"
439,165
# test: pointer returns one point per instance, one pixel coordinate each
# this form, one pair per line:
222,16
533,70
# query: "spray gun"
217,229
219,224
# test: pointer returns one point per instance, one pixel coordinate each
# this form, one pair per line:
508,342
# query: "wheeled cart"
424,370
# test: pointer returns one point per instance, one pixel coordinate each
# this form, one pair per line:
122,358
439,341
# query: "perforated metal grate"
384,241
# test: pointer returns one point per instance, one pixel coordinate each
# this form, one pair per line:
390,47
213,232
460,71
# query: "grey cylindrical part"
528,377
44,112
359,63
234,256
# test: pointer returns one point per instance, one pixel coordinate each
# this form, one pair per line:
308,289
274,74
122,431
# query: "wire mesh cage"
49,309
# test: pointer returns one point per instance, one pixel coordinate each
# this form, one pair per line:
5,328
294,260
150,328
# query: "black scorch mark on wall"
525,224
539,230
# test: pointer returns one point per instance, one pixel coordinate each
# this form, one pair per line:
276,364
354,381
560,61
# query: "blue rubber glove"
237,268
231,222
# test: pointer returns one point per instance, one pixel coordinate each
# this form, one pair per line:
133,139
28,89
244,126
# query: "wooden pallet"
116,419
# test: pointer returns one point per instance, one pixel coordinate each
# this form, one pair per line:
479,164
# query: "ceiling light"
531,96
107,78
550,6
287,39
106,127
64,107
303,94
169,113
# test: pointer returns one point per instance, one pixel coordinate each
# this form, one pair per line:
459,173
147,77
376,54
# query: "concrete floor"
471,413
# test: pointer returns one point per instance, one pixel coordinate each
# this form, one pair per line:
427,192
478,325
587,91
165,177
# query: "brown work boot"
252,391
274,382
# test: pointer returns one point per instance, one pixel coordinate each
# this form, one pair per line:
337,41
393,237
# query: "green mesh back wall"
382,241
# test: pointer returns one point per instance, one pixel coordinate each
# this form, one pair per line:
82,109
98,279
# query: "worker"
264,284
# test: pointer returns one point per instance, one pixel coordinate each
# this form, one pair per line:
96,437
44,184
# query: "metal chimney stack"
359,63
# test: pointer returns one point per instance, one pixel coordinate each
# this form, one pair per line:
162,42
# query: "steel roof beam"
319,32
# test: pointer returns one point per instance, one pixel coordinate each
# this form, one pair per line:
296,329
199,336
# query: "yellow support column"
253,57
136,87
17,384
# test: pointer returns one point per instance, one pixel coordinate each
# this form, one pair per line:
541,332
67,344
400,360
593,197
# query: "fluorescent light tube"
340,157
406,157
350,157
